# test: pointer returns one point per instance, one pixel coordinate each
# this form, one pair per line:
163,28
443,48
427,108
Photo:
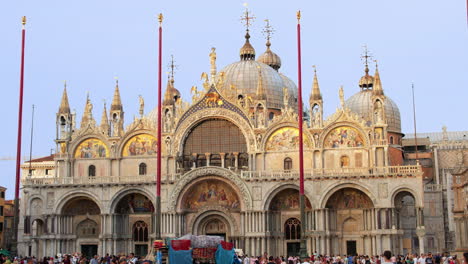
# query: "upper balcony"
309,174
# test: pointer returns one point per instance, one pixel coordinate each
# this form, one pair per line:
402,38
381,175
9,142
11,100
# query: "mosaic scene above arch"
349,198
344,137
140,145
134,203
288,200
92,148
286,138
210,193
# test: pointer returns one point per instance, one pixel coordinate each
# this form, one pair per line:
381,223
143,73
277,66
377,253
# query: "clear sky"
88,42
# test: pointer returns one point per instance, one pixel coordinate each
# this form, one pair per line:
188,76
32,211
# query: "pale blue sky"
88,42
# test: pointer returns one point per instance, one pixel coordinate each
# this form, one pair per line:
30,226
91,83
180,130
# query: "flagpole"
158,172
303,250
20,130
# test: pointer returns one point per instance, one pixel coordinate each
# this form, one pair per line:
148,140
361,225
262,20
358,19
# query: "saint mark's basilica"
230,168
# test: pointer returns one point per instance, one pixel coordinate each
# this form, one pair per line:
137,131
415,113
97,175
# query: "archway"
347,217
284,214
81,217
37,230
406,220
214,225
133,215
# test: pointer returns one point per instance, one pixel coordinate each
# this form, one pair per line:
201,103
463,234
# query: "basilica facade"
230,168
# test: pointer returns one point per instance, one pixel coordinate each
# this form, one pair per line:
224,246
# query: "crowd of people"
76,258
386,258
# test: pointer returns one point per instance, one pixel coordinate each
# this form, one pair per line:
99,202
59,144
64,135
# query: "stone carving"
36,206
50,199
209,171
142,105
210,211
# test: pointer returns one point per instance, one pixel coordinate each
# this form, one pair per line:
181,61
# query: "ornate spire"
116,101
105,121
378,90
171,94
367,81
213,64
64,106
88,113
315,95
247,52
269,57
260,89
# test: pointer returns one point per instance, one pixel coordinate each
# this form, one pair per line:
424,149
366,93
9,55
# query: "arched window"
287,164
391,140
142,169
292,229
243,161
91,171
214,136
140,232
271,115
215,160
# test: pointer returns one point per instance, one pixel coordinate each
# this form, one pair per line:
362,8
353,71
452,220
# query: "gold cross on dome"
172,67
247,19
268,30
367,55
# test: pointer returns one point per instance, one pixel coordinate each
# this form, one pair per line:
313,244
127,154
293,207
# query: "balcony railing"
390,171
166,178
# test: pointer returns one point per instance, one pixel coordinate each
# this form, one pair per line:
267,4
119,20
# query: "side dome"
361,104
271,59
244,75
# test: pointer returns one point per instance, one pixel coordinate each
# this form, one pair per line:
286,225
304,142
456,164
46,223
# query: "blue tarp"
180,256
224,256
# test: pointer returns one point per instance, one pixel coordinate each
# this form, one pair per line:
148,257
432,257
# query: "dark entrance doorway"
89,250
293,248
141,250
351,247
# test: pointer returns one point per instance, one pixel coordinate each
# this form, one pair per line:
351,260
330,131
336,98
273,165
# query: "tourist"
246,259
387,256
429,259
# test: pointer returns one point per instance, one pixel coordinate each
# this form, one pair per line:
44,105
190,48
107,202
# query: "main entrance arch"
347,220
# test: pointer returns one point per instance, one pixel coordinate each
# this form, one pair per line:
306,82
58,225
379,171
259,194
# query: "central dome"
244,75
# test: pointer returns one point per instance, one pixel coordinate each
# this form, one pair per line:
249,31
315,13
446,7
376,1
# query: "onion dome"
270,58
172,94
247,52
366,81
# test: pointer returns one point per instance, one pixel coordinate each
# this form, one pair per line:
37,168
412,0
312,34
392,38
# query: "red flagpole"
299,102
158,172
20,130
303,249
